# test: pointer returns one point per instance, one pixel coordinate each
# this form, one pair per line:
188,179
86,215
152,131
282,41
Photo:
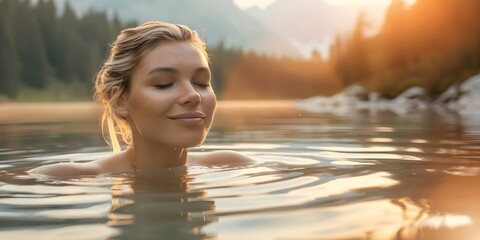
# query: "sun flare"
357,2
244,4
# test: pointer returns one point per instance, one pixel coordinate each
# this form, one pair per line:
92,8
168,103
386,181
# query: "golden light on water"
365,155
453,207
351,163
446,220
367,218
364,149
414,150
262,188
419,141
340,186
380,140
86,231
240,146
384,129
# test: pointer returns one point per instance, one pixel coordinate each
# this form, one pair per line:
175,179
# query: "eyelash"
163,86
203,85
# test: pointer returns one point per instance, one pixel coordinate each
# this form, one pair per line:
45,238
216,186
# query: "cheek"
147,97
146,103
210,100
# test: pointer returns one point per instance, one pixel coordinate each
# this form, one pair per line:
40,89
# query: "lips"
189,118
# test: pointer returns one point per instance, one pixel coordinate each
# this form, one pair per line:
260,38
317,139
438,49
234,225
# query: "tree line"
432,44
38,45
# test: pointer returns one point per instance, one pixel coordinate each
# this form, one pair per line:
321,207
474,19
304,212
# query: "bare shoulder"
219,158
112,164
65,169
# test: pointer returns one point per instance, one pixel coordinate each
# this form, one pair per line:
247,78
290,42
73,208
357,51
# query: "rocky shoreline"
463,98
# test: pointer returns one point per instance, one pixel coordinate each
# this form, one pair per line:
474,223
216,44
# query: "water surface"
353,175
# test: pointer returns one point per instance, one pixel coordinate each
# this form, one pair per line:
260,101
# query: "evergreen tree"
68,50
395,36
46,14
352,65
30,47
9,74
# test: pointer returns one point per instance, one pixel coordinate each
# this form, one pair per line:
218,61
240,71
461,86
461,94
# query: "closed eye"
163,86
202,85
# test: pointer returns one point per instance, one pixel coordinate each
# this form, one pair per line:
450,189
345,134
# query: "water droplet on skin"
145,104
300,115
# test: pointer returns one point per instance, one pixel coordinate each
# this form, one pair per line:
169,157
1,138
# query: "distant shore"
15,112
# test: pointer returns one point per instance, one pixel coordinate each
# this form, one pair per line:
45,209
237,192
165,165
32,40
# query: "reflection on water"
159,203
316,176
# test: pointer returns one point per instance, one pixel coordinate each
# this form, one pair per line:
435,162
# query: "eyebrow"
173,70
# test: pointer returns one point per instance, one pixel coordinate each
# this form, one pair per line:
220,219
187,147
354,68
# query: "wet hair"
113,80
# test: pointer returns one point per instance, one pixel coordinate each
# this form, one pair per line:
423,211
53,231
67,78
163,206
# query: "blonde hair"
112,81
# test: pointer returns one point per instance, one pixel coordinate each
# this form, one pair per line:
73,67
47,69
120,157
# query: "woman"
155,87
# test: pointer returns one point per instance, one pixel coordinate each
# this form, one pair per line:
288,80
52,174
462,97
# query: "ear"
120,104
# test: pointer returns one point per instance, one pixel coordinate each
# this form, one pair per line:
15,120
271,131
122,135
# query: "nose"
189,96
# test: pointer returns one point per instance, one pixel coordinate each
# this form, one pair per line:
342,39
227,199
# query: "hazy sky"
243,4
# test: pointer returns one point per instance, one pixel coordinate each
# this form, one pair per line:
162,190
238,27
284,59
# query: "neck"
143,155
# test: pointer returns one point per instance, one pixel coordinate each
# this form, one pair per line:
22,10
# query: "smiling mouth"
193,118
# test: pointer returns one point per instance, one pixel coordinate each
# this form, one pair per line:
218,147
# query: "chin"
188,143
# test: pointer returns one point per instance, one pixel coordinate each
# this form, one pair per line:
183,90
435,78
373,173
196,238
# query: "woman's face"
171,101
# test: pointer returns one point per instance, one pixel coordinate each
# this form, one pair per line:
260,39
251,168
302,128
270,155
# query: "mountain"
220,21
311,20
315,23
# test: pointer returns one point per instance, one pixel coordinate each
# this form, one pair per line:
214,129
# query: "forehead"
180,55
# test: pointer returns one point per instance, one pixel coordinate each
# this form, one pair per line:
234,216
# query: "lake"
329,175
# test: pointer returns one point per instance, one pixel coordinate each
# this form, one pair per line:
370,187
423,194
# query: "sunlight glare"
345,185
245,4
362,2
447,220
365,2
